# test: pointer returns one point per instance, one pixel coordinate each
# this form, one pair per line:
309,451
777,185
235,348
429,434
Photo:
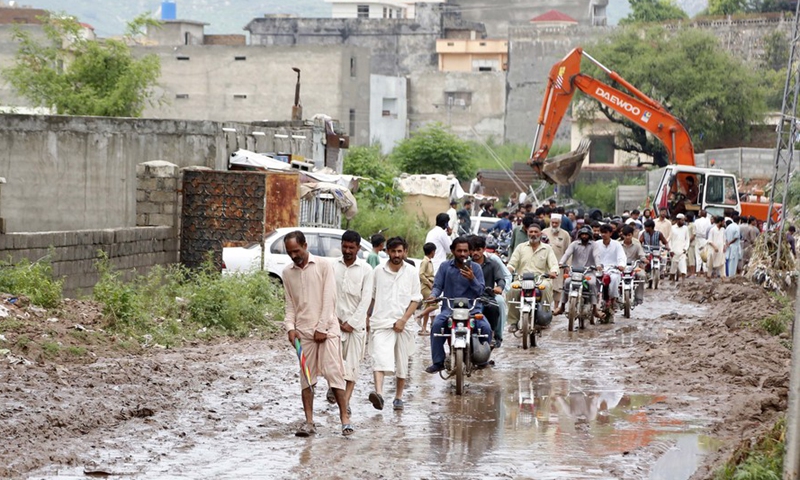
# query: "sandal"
377,400
347,429
306,430
422,333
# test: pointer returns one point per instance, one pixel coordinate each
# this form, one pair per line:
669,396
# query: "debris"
14,360
52,319
3,338
79,327
4,351
4,312
38,311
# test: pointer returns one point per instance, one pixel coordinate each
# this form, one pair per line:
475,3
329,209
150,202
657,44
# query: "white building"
375,9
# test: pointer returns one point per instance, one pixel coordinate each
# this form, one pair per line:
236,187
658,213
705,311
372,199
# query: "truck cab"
688,189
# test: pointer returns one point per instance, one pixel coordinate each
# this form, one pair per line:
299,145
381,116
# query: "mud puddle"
563,410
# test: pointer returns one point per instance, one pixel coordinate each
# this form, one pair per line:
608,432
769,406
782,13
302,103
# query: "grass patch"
50,349
780,322
10,324
23,342
76,351
33,280
172,304
763,462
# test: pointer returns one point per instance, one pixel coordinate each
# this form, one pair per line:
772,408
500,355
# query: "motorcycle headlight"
577,276
528,284
460,314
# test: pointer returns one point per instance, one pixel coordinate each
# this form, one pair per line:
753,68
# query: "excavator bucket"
564,169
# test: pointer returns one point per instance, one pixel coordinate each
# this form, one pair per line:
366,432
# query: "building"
384,9
500,15
473,55
252,83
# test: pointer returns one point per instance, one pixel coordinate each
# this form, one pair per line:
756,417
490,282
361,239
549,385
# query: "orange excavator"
683,187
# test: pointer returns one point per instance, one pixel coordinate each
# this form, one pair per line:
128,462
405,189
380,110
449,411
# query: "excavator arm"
564,79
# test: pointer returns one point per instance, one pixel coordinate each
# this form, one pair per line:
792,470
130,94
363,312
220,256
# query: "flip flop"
377,400
306,430
347,429
330,396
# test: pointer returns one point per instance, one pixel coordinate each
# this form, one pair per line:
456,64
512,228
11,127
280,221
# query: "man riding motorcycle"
493,277
612,257
533,257
633,253
581,254
456,278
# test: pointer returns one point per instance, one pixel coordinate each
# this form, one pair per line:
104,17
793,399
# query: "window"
182,57
721,190
458,99
602,150
390,107
385,13
352,67
482,44
452,44
240,58
182,95
352,124
312,239
186,38
399,13
239,95
362,11
485,65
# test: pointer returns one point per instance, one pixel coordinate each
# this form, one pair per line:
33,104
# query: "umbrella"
302,358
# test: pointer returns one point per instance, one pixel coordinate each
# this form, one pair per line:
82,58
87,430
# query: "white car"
322,242
483,225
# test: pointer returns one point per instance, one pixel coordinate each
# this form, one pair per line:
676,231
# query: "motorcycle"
627,287
466,350
580,301
503,240
609,304
533,313
655,258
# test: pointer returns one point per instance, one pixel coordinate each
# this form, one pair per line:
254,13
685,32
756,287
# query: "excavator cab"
689,189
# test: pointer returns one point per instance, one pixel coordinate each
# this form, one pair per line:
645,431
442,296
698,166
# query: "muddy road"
663,395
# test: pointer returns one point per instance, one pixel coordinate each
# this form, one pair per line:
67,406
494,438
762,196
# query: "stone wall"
74,253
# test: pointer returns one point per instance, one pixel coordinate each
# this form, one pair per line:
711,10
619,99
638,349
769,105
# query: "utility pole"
297,110
784,153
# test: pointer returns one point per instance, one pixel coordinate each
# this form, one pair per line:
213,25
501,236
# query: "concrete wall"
630,197
481,114
176,32
252,83
388,110
74,173
398,47
500,15
76,252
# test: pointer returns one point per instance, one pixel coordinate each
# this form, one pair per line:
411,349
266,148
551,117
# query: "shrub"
32,279
398,222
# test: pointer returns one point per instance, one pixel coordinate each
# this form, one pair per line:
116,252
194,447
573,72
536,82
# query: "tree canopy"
727,7
434,149
645,11
715,95
78,76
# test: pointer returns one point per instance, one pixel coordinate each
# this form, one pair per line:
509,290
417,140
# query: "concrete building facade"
252,83
474,55
388,110
500,15
375,9
471,104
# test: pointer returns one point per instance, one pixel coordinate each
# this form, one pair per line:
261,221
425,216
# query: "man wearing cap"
559,239
679,244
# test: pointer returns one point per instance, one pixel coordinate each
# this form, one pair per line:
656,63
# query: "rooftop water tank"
168,11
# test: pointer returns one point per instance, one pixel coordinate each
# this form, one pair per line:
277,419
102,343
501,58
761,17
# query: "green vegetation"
51,348
763,462
32,279
602,195
715,95
644,11
78,76
490,156
170,304
434,149
781,321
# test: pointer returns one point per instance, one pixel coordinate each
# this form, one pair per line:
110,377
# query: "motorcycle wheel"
656,277
573,312
459,364
627,304
525,323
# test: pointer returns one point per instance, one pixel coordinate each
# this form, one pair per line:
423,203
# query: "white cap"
555,216
680,216
629,221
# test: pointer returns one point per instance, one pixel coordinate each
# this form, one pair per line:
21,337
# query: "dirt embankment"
738,373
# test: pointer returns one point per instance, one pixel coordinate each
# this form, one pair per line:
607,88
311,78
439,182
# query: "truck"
684,187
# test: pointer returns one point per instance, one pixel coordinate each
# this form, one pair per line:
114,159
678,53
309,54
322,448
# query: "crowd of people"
334,310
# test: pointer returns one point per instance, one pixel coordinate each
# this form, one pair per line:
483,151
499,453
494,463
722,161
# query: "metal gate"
320,211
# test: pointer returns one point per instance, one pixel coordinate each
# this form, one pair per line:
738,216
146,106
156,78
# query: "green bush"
434,149
779,322
172,303
763,462
32,279
398,223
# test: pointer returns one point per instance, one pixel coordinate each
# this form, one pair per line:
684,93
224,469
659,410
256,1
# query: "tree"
434,149
715,95
78,76
727,7
376,189
647,11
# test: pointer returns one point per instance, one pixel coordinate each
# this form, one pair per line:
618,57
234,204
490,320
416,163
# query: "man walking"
679,244
396,294
733,246
701,228
310,286
353,296
440,237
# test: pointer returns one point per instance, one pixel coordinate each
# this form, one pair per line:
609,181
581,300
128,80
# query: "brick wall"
157,194
74,253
